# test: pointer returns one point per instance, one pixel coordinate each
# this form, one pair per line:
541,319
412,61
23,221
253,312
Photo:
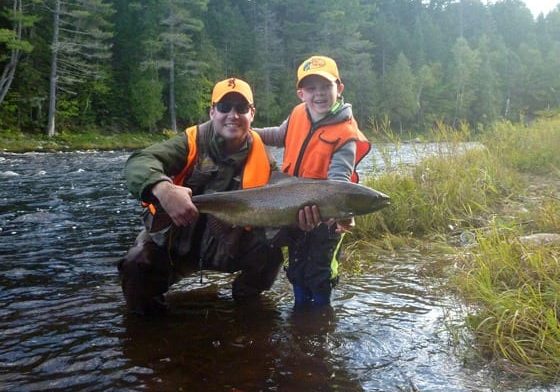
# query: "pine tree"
399,100
485,108
80,50
14,41
464,70
179,24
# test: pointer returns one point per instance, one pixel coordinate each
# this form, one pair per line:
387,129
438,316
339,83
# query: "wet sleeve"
273,136
342,162
159,162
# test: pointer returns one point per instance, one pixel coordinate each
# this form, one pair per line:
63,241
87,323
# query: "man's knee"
145,274
258,272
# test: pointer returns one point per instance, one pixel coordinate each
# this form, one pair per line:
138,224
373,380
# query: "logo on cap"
314,62
231,83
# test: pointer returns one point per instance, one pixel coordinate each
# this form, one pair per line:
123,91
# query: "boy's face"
319,94
232,117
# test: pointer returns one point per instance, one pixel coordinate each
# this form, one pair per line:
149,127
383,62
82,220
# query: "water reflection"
212,343
66,218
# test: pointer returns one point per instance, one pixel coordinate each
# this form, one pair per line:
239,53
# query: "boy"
321,140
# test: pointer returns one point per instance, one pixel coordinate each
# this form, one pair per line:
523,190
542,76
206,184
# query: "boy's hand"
345,225
309,218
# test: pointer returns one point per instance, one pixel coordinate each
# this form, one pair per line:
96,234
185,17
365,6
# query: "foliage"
83,140
509,282
445,191
147,106
399,101
514,291
531,149
417,63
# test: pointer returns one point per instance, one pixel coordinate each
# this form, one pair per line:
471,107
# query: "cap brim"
325,75
220,97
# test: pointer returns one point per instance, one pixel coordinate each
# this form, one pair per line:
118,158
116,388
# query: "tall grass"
514,293
441,193
532,149
512,288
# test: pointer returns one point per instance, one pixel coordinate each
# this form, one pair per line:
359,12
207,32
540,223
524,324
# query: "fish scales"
277,205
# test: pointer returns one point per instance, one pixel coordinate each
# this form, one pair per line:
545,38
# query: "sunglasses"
240,108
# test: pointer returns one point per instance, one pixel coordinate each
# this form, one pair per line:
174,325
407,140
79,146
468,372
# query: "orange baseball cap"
232,85
318,65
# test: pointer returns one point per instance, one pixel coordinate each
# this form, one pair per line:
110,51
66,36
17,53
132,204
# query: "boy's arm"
342,162
273,136
341,167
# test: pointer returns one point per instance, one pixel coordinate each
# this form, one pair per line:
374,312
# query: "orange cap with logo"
232,85
318,65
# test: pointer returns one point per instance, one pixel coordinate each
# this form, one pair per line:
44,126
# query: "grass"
512,286
533,150
443,193
14,141
513,290
507,188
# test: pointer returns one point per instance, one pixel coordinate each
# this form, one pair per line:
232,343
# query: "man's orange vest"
256,171
308,154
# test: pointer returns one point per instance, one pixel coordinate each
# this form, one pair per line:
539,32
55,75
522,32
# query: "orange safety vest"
308,152
255,173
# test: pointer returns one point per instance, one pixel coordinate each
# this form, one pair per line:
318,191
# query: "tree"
179,24
426,79
514,22
153,63
485,108
80,50
464,69
146,95
269,67
16,45
399,100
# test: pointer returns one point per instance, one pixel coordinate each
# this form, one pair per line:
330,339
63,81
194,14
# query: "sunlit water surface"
65,220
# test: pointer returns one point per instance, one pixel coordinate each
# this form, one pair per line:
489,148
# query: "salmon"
277,204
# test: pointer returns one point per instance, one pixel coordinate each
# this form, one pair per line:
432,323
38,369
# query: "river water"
65,220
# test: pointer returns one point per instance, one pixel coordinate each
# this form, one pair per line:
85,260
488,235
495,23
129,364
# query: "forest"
137,65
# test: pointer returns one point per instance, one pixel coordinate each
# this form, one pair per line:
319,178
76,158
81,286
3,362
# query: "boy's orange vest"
255,173
308,154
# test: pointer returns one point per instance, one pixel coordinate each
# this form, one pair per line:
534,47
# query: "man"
222,154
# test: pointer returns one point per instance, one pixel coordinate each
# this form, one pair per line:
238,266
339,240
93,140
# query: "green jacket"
214,171
219,243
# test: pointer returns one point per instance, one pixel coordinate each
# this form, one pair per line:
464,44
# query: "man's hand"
309,218
176,201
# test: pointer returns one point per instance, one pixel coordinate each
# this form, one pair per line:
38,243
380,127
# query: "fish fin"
277,177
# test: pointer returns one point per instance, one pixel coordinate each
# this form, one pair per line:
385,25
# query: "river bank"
493,216
12,141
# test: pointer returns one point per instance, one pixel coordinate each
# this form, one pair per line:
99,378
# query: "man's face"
232,117
319,94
